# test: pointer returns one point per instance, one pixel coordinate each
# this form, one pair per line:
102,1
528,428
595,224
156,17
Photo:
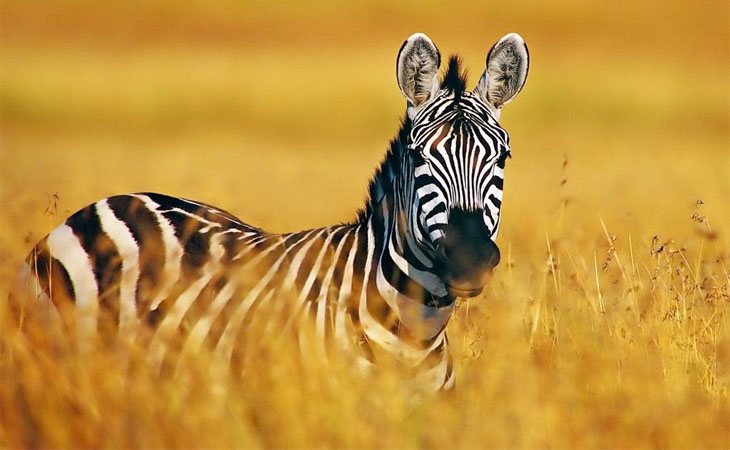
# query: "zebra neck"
406,289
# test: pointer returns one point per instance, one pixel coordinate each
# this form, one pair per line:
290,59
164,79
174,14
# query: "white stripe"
313,274
252,344
434,377
495,232
297,260
345,292
128,249
251,247
170,323
224,348
322,297
449,383
202,327
431,204
173,252
493,211
498,171
494,190
217,212
375,330
436,234
488,222
208,223
428,280
422,169
436,219
416,250
427,189
66,248
372,328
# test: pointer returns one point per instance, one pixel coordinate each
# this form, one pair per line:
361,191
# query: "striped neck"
415,298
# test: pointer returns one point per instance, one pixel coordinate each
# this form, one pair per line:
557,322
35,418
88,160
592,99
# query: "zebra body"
178,271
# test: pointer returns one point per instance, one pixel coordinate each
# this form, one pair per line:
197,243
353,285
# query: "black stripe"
325,265
195,245
106,263
310,258
55,282
495,201
192,316
211,213
145,229
52,276
245,281
358,274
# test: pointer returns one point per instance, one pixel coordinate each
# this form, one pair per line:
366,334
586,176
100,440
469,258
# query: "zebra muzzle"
466,255
464,293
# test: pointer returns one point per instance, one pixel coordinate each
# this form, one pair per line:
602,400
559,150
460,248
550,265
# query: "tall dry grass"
621,345
606,324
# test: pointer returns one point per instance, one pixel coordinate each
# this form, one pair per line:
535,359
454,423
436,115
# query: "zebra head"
453,164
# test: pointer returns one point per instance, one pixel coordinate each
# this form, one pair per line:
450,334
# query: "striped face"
454,169
457,153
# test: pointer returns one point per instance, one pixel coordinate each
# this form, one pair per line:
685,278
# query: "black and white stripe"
187,275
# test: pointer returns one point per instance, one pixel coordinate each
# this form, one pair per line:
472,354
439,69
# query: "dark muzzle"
466,254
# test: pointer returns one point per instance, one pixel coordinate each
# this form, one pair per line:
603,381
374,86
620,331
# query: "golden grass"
607,323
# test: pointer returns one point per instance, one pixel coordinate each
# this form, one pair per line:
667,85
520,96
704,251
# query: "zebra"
385,283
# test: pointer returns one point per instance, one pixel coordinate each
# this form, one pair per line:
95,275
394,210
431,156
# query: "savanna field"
607,323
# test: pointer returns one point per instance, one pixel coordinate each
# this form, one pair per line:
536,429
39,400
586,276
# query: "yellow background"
279,112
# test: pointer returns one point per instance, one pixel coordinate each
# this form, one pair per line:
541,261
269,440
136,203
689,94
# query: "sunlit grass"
602,342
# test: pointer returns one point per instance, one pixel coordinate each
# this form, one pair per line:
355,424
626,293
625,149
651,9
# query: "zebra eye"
416,149
503,155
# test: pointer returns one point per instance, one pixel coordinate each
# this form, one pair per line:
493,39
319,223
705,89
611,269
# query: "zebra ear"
507,65
417,69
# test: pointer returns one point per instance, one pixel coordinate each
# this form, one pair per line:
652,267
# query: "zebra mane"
382,182
455,78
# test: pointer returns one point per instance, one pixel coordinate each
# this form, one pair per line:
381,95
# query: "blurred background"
607,323
280,111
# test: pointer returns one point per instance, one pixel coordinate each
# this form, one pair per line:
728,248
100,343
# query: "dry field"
607,323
